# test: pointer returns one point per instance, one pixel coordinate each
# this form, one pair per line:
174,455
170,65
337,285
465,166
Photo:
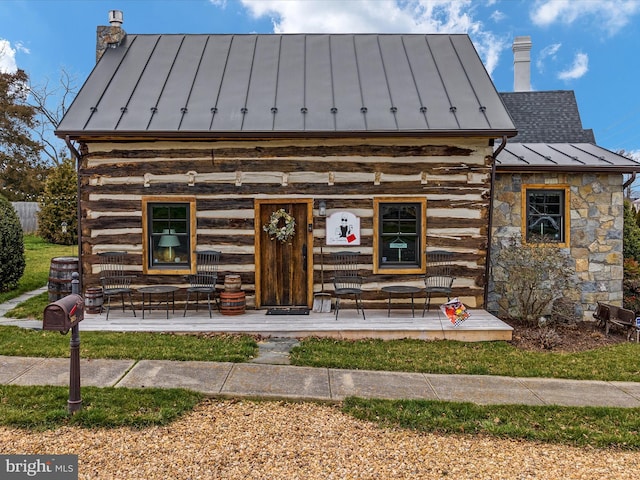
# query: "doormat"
288,311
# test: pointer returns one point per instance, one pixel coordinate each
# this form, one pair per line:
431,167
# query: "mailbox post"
64,315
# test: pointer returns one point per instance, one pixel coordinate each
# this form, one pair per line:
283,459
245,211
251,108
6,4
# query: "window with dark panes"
399,230
169,235
545,216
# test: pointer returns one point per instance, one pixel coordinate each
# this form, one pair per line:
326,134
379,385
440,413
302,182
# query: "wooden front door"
284,269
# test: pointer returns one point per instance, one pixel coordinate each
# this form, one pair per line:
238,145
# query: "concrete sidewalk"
255,380
267,378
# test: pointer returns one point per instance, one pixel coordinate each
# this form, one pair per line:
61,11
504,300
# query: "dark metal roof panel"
85,104
247,84
173,104
261,95
318,90
376,97
404,99
116,103
563,156
206,87
163,88
232,100
347,84
434,101
290,86
488,107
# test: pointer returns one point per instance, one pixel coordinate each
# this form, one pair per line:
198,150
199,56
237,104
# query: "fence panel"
27,212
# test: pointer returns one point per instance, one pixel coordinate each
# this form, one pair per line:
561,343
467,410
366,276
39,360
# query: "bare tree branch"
52,103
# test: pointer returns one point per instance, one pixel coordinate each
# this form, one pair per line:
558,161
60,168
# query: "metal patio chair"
439,278
205,279
114,279
347,281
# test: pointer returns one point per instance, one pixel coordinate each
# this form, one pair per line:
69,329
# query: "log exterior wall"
596,234
226,176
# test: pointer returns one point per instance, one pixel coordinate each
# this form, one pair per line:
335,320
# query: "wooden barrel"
232,283
60,276
93,300
232,303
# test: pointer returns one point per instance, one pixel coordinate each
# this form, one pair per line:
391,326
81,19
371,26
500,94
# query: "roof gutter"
487,266
78,158
208,135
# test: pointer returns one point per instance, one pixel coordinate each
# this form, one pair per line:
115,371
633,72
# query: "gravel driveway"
271,440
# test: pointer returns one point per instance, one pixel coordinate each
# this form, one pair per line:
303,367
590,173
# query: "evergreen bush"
631,235
58,215
12,261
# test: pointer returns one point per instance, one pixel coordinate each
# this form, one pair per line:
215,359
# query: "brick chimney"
522,64
110,36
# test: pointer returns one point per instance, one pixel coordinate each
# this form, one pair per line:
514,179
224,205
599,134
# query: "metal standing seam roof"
214,85
562,157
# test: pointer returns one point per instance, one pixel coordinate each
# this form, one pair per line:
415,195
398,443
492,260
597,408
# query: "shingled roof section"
551,138
550,117
210,86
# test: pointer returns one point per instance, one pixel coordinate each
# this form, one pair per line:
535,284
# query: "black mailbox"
63,314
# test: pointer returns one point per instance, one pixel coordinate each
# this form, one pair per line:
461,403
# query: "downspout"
626,184
487,266
78,157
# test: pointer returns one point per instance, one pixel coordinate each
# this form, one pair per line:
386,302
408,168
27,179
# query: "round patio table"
159,290
399,290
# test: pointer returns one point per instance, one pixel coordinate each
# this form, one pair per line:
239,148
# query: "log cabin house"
208,136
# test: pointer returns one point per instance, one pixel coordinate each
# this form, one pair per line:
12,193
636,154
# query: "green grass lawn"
16,341
613,363
38,255
597,427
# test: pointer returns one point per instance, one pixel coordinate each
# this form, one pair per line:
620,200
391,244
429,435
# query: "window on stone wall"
399,235
169,232
546,214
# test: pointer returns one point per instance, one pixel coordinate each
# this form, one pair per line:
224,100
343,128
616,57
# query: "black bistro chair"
205,279
439,278
114,279
347,281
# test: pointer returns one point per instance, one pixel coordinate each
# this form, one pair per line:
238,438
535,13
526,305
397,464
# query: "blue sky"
589,46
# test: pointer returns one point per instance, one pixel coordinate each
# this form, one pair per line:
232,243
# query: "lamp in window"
168,240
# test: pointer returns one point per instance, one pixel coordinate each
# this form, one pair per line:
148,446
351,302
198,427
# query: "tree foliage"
57,218
22,172
631,238
12,261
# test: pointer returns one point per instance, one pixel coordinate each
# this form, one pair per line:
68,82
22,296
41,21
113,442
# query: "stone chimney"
522,64
110,36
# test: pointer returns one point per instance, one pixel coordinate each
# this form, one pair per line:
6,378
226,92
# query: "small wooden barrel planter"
232,283
93,300
232,303
60,272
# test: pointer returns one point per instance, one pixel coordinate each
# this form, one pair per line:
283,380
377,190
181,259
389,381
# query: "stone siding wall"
596,233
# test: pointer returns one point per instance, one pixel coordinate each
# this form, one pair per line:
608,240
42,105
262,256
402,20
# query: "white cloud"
7,57
548,52
608,15
380,16
364,16
579,67
498,16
